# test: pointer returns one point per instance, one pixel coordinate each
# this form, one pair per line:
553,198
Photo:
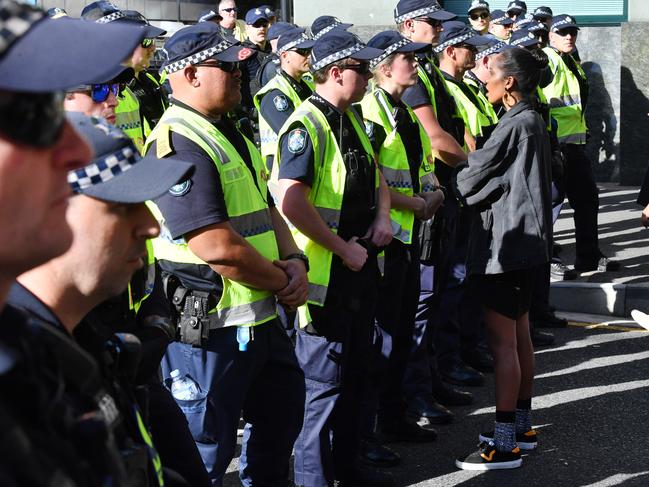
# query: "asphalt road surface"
591,410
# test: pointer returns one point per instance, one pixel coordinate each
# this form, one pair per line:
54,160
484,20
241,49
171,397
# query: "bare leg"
525,357
502,336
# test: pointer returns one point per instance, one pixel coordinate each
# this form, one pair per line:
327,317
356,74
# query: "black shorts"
509,293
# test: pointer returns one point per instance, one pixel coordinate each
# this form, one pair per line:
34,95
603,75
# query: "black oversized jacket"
508,183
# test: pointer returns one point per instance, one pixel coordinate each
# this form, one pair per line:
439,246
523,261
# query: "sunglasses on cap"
483,16
361,68
230,9
222,65
32,119
147,42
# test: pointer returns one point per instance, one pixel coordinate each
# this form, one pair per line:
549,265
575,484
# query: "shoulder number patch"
297,141
281,103
181,189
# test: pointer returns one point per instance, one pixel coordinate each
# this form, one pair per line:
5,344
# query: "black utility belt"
194,320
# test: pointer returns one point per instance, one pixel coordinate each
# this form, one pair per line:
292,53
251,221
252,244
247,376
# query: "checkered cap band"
499,19
15,20
329,28
491,50
528,37
199,57
389,50
294,43
417,13
103,170
567,21
111,17
336,56
454,41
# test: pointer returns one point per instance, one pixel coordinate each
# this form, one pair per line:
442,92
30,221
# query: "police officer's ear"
336,72
190,75
407,27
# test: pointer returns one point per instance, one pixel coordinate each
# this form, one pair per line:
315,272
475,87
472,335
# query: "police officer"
270,64
209,15
457,48
477,77
421,21
332,193
256,28
142,102
567,96
479,16
231,26
501,25
41,434
326,23
228,257
516,9
543,14
406,161
276,101
110,225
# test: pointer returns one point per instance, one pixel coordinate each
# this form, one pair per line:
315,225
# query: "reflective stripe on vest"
563,95
250,217
153,453
127,118
393,160
267,136
328,188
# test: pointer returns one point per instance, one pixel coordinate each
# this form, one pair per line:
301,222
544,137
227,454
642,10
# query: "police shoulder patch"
297,141
181,189
281,103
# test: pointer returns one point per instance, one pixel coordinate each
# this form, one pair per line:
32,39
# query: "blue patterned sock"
504,436
523,420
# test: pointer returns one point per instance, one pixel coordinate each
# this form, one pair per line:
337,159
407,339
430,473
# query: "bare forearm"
402,202
447,149
285,241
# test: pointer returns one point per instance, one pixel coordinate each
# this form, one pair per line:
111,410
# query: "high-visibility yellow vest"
267,136
474,119
393,160
246,202
328,187
563,95
138,294
485,106
129,119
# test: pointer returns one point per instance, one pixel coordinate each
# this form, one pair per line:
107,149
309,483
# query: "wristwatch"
302,257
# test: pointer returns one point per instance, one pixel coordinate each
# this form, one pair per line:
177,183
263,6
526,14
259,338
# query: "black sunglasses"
361,68
222,65
482,16
301,52
431,22
467,46
230,9
260,23
32,119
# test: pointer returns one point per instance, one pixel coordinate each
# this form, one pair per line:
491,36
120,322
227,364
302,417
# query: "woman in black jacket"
508,183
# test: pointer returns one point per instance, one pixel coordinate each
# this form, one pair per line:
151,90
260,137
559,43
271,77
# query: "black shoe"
363,475
541,338
377,455
462,375
450,396
524,441
426,408
561,272
479,359
603,264
549,320
404,429
488,458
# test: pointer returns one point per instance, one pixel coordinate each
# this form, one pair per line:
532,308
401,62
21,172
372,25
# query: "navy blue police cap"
56,12
196,43
455,32
118,173
517,7
337,45
499,17
524,38
40,54
522,20
268,10
543,13
493,47
391,42
326,23
207,15
278,28
533,26
294,39
104,12
478,5
563,21
412,9
255,14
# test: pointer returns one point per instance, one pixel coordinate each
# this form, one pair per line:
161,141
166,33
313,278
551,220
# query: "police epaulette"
163,146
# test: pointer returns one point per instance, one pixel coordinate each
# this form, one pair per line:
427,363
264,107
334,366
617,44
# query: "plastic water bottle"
183,388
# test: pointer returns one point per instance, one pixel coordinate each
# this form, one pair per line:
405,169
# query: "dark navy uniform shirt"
276,107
